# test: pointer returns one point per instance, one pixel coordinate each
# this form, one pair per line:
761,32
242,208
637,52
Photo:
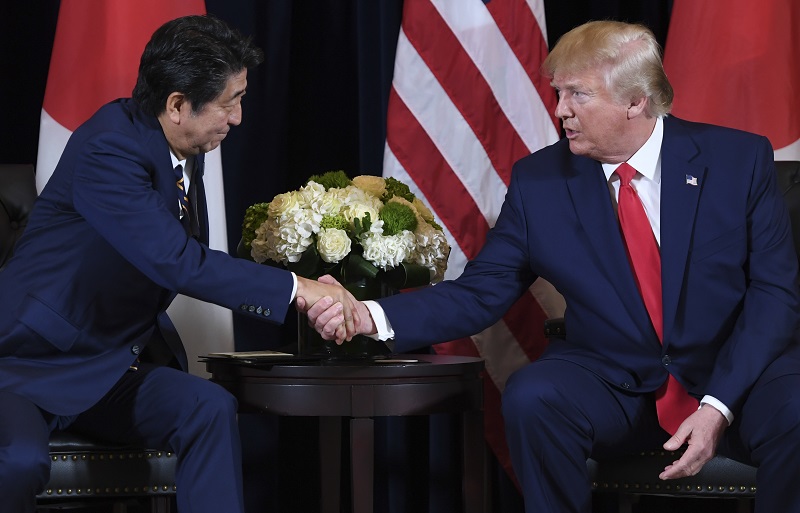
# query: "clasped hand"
331,309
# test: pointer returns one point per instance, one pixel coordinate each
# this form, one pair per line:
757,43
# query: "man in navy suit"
721,332
120,228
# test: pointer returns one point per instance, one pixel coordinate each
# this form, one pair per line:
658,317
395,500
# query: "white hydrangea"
333,244
387,251
432,251
328,203
286,238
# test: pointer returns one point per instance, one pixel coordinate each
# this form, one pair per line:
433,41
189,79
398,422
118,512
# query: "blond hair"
628,54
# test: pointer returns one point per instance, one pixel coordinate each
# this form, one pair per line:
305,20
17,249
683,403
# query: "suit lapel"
592,202
679,200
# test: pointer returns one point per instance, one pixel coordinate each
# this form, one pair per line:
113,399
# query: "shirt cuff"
713,401
294,288
381,322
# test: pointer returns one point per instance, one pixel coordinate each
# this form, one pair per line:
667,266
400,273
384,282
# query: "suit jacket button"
259,310
666,360
243,307
251,308
266,312
136,350
626,386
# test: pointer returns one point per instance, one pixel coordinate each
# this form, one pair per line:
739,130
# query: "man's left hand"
700,431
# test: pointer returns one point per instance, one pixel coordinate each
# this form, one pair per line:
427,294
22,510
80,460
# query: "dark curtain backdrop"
317,103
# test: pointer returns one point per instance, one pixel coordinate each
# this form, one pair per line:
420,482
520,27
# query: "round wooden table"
361,390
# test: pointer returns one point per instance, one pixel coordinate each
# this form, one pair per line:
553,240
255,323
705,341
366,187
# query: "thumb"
675,442
300,302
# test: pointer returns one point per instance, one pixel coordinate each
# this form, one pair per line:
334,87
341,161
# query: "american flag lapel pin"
691,180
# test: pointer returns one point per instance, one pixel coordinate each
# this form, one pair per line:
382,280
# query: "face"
595,123
203,131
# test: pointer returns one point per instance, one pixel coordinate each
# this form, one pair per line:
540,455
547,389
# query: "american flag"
467,101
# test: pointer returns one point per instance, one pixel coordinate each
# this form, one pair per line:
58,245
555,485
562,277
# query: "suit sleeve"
114,192
767,323
487,288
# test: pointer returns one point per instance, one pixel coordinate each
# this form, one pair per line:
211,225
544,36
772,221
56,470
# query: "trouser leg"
164,408
769,429
558,414
24,453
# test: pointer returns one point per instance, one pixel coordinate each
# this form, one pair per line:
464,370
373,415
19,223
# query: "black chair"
84,471
634,475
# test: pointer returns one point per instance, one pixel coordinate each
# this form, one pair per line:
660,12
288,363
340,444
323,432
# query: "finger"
329,331
341,334
330,280
300,304
321,306
329,319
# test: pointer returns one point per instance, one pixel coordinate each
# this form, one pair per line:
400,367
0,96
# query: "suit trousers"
558,414
155,406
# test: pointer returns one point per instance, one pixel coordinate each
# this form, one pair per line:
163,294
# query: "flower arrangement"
365,228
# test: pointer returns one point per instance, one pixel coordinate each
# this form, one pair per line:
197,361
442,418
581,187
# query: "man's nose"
235,118
562,110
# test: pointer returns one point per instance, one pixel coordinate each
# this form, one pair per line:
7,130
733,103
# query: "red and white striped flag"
737,64
95,60
467,101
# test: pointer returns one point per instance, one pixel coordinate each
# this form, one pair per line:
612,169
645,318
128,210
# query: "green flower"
395,187
338,222
397,217
332,180
254,217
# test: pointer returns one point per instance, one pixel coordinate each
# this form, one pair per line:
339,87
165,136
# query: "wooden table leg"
474,476
362,463
330,463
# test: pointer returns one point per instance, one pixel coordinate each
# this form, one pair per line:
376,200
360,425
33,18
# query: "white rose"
333,244
284,203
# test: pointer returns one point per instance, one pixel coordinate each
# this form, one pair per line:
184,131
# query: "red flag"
737,64
95,59
467,101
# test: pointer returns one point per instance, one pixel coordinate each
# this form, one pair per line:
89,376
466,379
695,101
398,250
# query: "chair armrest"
555,328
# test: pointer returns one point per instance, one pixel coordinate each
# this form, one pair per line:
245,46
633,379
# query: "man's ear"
175,102
637,107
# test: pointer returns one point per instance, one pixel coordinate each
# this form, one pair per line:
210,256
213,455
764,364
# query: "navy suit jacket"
103,255
729,268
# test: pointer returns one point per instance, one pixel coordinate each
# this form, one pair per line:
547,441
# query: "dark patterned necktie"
673,403
188,204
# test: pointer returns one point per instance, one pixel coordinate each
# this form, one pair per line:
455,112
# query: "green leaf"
359,267
309,265
408,276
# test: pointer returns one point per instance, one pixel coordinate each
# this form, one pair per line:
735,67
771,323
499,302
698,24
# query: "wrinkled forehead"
584,79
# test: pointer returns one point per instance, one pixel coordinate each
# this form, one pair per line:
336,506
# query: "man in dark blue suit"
705,354
120,228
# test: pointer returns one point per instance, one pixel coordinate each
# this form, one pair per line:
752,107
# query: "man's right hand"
311,292
328,316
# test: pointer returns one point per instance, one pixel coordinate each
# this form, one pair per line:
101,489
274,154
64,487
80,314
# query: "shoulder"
708,135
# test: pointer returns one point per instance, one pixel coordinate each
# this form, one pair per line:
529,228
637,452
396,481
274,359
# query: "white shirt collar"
646,160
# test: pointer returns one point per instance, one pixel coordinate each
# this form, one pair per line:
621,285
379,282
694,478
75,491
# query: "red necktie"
673,403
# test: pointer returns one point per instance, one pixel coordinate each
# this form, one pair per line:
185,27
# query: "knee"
526,397
24,466
212,403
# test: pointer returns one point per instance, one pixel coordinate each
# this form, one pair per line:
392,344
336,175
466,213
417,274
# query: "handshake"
332,310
